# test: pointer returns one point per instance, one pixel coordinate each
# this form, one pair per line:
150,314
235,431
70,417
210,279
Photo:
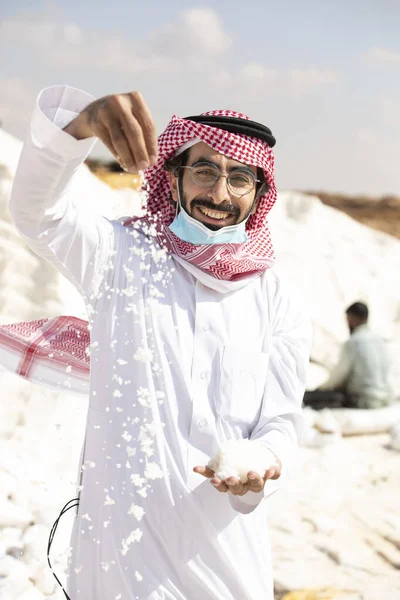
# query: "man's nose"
219,192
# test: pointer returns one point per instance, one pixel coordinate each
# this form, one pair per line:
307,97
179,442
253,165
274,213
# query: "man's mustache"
205,203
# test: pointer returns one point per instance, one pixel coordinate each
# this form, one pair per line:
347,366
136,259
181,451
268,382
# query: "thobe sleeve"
280,424
340,373
49,217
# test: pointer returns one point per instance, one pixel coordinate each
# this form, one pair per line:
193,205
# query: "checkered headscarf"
223,261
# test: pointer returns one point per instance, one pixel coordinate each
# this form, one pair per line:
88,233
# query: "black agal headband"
236,125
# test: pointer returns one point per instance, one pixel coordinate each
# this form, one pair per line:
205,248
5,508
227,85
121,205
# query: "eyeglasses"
240,182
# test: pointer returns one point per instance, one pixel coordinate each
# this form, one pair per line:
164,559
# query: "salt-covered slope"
328,257
334,261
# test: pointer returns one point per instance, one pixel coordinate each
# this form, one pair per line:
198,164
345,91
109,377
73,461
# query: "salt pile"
334,261
329,258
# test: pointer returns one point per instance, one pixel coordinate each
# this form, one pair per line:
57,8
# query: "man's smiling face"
216,206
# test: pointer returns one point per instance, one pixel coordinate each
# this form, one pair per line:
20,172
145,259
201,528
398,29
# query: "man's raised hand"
124,124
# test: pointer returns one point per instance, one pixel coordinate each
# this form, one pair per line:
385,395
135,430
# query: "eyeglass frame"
220,174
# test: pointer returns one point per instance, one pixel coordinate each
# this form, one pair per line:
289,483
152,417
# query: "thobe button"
201,424
202,375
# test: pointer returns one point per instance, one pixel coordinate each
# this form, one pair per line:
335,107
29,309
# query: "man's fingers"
131,134
134,136
142,114
205,471
121,146
273,473
219,485
103,135
256,482
236,487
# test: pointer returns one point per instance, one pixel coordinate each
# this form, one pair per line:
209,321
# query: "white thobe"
179,363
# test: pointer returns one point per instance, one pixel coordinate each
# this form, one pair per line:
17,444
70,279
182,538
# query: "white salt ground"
337,523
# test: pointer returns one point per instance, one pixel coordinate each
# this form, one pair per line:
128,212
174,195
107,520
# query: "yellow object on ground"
119,180
322,594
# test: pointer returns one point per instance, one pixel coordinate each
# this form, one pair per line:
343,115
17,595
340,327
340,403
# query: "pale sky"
323,75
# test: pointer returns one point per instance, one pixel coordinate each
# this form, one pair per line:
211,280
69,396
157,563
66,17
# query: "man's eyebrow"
203,159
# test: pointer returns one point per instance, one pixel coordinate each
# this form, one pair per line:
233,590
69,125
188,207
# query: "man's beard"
206,203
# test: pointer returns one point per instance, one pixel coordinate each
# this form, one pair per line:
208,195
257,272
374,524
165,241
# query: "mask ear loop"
178,202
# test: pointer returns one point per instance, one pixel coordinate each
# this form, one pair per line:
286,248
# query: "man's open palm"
255,483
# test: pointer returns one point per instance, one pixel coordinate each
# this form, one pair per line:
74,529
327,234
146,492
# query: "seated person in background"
360,378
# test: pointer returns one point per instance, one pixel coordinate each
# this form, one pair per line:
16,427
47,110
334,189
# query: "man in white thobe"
194,340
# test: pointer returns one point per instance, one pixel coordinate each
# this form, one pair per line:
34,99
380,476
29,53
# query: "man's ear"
255,206
173,182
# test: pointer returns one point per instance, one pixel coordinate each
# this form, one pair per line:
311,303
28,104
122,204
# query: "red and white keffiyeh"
55,351
223,261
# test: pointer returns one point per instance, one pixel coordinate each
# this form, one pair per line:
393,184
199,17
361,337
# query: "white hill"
331,260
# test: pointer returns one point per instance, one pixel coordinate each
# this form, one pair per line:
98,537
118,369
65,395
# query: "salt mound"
10,149
329,258
334,261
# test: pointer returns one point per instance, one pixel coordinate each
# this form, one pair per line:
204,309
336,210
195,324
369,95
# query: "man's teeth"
213,214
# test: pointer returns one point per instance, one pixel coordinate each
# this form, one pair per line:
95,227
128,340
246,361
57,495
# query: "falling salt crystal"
143,355
143,492
147,451
78,569
136,511
117,394
130,275
108,501
144,397
121,361
68,369
106,565
137,480
131,451
96,426
126,436
138,576
106,524
129,291
90,463
153,471
86,516
134,536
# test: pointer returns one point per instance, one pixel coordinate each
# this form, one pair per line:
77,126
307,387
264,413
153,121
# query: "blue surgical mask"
189,230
